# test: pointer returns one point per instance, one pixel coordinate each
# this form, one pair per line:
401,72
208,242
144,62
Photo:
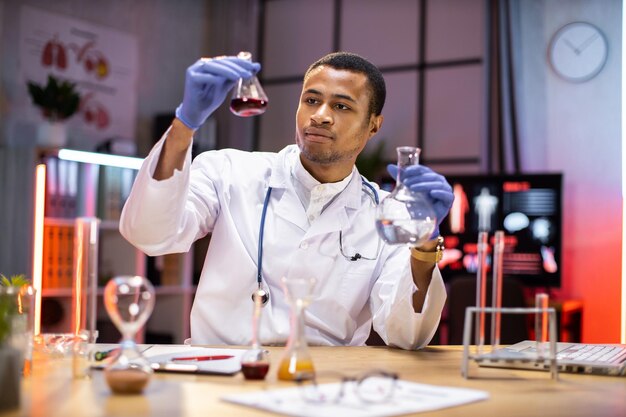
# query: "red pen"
203,358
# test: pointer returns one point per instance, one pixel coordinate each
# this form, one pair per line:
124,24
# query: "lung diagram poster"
101,61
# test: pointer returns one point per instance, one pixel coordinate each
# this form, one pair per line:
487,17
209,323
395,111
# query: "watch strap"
433,256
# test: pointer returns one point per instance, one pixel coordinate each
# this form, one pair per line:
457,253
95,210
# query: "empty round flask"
405,217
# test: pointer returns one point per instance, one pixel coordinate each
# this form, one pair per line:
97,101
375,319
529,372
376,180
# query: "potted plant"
12,319
58,100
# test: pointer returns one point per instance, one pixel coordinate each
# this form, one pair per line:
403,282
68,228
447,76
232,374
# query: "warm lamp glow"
78,302
40,198
623,315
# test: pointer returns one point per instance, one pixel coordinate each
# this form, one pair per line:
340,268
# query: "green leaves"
58,100
15,281
9,303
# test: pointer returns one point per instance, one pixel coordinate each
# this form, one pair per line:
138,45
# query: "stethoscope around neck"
265,295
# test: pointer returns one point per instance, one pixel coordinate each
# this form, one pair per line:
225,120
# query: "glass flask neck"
245,55
256,320
407,156
297,338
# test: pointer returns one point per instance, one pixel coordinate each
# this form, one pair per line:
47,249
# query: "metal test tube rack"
540,358
545,318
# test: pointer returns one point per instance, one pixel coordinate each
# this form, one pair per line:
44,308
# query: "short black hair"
356,63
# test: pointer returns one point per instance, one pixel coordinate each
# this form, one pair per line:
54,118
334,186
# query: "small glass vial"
255,362
248,99
296,363
405,217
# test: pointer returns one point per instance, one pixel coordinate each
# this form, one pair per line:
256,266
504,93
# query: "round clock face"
578,51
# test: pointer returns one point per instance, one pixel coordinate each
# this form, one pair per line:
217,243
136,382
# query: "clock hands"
588,42
571,45
578,50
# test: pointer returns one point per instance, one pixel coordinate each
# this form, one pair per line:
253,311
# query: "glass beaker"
129,300
296,362
248,98
254,362
17,319
405,217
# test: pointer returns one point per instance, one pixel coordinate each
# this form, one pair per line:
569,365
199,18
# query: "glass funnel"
129,300
296,362
405,217
248,99
255,362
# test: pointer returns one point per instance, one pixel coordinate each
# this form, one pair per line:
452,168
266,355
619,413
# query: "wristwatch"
429,256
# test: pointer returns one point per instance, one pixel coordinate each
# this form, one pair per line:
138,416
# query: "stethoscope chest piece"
265,296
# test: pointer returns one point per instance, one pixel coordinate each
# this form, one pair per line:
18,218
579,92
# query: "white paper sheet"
163,357
408,397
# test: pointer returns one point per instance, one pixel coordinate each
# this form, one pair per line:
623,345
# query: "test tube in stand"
541,323
481,288
84,291
496,287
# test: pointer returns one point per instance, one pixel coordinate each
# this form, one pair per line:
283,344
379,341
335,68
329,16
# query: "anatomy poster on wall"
101,61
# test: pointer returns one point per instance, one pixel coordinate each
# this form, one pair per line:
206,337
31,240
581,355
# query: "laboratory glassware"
129,300
296,360
405,217
84,292
496,284
482,248
248,98
541,323
255,362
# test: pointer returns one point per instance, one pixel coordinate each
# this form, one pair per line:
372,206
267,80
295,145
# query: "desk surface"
51,391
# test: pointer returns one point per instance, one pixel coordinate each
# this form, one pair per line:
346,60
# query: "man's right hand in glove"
207,83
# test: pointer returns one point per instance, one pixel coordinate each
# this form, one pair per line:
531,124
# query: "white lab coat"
222,193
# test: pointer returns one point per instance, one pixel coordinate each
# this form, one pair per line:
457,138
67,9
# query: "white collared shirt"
314,195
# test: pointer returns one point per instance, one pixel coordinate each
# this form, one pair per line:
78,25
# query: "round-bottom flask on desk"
296,362
129,300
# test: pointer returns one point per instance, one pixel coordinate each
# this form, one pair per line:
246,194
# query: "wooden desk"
50,391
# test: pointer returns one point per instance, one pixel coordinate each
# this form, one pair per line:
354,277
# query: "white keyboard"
593,353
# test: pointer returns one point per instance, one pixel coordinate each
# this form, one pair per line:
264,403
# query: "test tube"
84,290
541,323
496,289
481,288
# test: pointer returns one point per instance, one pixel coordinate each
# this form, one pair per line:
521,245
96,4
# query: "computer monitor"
527,207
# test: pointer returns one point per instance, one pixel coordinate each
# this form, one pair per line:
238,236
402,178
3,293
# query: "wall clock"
578,51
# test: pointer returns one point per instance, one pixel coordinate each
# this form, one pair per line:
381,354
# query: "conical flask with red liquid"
248,98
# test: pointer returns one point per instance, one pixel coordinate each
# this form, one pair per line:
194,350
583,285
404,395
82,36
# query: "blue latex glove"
422,179
207,83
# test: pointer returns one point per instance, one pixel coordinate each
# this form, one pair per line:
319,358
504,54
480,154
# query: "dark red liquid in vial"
246,107
255,370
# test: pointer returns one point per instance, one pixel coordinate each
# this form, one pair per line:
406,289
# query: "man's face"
333,123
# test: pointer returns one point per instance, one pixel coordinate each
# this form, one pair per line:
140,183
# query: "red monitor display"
527,207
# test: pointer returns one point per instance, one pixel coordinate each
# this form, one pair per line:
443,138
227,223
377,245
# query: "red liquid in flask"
247,107
255,370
